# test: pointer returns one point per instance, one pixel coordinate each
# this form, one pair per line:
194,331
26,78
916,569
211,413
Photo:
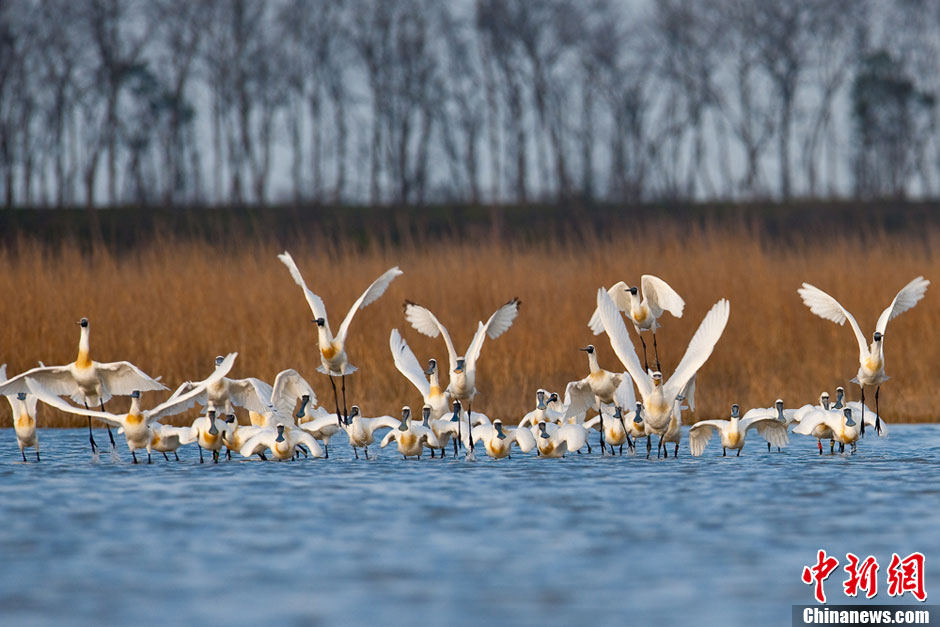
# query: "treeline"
180,103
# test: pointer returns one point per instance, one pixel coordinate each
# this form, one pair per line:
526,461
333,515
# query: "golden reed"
173,305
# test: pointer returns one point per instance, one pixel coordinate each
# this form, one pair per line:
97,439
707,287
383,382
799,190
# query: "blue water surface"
581,540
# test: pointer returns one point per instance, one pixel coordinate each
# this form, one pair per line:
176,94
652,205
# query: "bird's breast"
25,421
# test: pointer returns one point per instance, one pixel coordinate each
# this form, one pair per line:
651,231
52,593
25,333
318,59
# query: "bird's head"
135,394
878,336
779,404
320,321
353,412
735,411
456,416
432,367
303,405
618,413
83,323
498,425
540,398
638,418
461,364
657,378
553,398
633,290
542,430
425,414
280,433
219,359
230,419
589,349
212,428
21,396
849,421
405,415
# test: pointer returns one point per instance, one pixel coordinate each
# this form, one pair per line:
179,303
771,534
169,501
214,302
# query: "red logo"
864,576
907,575
904,575
819,573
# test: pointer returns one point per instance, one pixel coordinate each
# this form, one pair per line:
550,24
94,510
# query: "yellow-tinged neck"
83,361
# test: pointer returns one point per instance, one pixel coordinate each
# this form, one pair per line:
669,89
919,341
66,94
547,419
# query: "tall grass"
172,305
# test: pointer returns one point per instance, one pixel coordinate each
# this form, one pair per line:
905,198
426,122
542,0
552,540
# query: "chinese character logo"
819,573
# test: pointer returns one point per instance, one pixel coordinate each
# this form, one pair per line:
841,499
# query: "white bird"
167,438
208,432
498,440
407,364
673,434
543,411
283,442
644,312
734,431
658,397
462,385
821,431
361,430
136,422
223,395
871,369
321,424
23,406
842,426
288,387
549,442
777,412
333,358
411,438
86,381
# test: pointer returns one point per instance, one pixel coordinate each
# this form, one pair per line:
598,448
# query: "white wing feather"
369,296
909,296
621,343
700,348
828,308
181,403
661,297
425,322
314,301
288,387
407,363
701,432
618,293
252,394
120,378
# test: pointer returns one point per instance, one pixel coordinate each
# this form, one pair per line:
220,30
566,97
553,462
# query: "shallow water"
584,539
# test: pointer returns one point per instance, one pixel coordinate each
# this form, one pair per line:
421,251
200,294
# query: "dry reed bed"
172,306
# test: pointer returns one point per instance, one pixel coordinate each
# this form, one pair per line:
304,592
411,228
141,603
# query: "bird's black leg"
326,450
134,455
200,453
724,452
215,457
621,450
656,352
110,435
432,453
630,443
23,453
228,453
165,457
262,456
455,441
335,400
149,461
739,452
768,447
91,436
649,445
37,452
832,447
675,453
841,447
877,412
470,424
862,387
176,455
646,363
355,452
345,412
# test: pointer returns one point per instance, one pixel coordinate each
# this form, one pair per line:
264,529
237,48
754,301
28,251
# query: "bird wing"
407,363
476,345
699,350
182,402
810,420
689,393
827,307
771,429
425,322
299,436
388,438
759,412
369,296
184,387
621,343
661,297
701,432
909,296
252,394
524,439
618,293
120,378
481,432
578,398
502,319
35,387
313,426
574,435
624,395
288,387
55,380
315,302
382,422
263,437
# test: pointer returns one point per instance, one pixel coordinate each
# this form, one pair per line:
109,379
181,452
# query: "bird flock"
285,421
